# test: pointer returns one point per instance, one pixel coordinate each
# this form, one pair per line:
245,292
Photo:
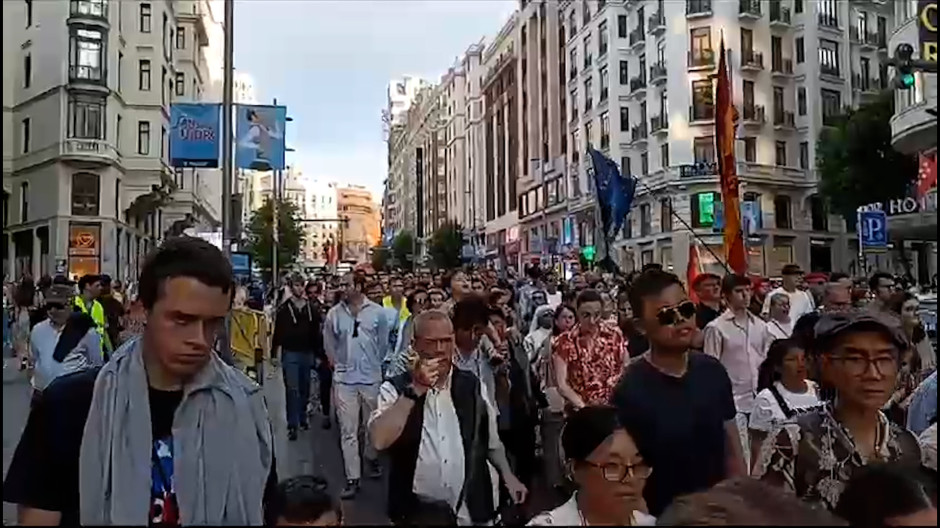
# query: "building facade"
87,89
321,236
359,229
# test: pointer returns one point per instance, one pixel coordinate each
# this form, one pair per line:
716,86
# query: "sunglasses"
672,315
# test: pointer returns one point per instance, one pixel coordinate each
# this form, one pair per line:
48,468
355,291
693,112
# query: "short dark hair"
878,492
876,277
649,283
87,280
836,276
732,281
470,312
588,295
791,269
651,266
184,256
304,498
410,300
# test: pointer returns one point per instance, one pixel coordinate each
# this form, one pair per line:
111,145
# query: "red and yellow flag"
725,117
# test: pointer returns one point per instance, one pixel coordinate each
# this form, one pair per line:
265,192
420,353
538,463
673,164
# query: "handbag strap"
787,411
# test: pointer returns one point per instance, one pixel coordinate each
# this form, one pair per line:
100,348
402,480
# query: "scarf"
222,446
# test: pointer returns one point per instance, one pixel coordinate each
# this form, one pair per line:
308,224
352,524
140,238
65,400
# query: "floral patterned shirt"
593,367
814,456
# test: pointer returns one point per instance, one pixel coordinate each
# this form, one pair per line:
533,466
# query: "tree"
403,249
380,258
446,245
261,235
857,164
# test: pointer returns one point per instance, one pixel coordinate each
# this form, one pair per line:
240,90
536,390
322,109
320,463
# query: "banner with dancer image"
259,137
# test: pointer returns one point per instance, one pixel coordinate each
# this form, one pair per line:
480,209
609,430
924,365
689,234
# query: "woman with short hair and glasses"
608,470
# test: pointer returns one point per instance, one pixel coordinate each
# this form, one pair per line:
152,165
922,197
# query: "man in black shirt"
79,459
707,287
677,403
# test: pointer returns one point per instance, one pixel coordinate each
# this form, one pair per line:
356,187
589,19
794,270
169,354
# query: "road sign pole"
862,265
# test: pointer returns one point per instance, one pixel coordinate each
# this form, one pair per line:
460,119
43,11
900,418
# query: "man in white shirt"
801,301
440,431
779,322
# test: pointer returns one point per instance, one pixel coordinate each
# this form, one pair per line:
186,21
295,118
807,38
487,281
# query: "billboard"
259,133
194,135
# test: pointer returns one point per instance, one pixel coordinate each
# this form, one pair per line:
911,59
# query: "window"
164,36
800,51
646,220
163,144
831,104
703,209
702,100
180,37
625,165
117,132
588,55
624,73
163,85
572,23
665,215
664,155
120,70
86,117
25,134
644,163
804,155
29,13
602,73
24,202
589,133
776,53
779,106
605,130
180,83
86,54
588,95
573,63
145,18
624,119
750,149
85,194
602,39
819,213
573,99
703,149
701,45
782,212
801,100
143,75
828,13
622,26
780,153
829,57
143,138
27,70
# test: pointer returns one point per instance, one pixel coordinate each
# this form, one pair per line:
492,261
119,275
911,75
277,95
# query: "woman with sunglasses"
65,342
608,471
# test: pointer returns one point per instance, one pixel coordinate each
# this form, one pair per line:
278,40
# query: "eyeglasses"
672,315
620,473
858,365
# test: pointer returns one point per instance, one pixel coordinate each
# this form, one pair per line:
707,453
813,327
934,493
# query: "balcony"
782,67
830,70
572,73
588,60
96,151
701,60
657,22
784,120
698,8
638,133
94,12
658,72
753,115
699,169
749,9
637,84
779,16
94,75
658,124
752,60
827,21
701,113
637,38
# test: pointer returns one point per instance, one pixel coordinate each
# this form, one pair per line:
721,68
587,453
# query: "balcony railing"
702,59
93,148
830,69
698,169
637,84
658,71
753,113
572,72
779,15
657,22
701,112
698,7
637,36
639,132
657,124
782,67
92,74
752,60
784,119
588,59
749,8
827,20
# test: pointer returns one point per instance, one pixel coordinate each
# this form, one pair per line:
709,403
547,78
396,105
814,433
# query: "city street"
316,451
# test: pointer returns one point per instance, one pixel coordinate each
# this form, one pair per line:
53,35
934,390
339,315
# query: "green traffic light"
907,80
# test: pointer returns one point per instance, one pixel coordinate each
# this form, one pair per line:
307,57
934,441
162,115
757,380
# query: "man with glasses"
859,356
677,403
356,339
882,287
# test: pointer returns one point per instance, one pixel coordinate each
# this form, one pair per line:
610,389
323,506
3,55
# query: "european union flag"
615,192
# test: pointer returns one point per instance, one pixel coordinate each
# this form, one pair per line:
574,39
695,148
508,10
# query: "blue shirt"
923,405
357,344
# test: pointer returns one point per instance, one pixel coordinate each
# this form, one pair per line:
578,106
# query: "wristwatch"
409,392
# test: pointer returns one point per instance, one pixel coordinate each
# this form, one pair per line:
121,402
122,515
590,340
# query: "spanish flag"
725,122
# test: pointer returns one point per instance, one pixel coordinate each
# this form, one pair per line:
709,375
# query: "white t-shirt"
568,515
767,412
780,330
801,302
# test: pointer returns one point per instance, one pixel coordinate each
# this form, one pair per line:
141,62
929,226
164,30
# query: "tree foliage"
446,245
403,249
380,258
857,164
261,235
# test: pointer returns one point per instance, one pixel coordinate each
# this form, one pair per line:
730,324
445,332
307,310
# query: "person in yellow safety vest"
396,300
89,288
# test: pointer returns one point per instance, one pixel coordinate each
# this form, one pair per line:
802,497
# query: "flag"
693,270
615,192
926,174
725,117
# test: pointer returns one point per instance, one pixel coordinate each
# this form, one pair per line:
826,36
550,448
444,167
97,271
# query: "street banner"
194,135
259,132
725,118
872,230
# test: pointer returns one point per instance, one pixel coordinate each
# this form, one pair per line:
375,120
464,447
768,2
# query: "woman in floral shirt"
815,455
588,359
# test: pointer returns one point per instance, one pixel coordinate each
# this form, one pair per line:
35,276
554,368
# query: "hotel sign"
927,29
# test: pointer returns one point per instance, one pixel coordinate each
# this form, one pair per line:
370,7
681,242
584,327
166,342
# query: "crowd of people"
486,398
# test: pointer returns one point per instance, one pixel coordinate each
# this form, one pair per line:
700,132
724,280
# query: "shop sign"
902,206
927,29
83,240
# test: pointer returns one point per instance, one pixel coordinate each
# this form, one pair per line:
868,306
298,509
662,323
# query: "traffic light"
903,67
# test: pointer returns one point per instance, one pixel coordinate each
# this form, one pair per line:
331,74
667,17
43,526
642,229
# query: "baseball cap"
835,324
59,293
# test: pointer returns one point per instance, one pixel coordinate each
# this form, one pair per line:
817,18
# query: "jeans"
296,367
354,405
325,383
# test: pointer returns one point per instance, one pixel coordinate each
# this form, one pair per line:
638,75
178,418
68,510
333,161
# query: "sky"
330,61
